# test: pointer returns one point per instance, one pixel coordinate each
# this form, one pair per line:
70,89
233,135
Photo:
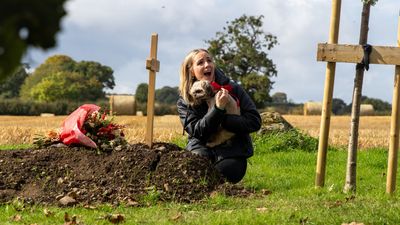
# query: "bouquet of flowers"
101,129
86,126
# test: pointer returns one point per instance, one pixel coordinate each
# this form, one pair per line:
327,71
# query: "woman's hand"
222,98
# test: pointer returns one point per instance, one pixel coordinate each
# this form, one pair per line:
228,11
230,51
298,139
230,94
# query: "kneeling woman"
201,123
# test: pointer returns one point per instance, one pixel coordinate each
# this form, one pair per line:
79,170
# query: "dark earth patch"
129,175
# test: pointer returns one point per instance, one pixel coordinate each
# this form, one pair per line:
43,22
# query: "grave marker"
153,65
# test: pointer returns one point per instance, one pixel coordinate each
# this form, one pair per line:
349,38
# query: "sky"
117,33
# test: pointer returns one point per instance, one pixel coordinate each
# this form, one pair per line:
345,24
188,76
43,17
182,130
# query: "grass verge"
287,173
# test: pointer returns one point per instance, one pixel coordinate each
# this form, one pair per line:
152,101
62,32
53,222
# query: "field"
22,129
282,181
373,132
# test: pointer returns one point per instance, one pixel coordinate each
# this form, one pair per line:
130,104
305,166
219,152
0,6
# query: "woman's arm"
199,123
249,120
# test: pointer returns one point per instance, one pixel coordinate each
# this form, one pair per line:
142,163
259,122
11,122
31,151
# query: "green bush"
285,141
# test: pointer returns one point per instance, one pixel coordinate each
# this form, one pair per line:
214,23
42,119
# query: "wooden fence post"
327,101
394,128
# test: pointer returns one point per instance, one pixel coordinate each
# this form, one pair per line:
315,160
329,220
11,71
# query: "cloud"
117,33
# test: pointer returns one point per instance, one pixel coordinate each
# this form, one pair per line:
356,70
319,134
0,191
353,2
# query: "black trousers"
232,169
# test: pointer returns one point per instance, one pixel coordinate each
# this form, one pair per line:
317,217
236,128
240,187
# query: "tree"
339,107
24,24
66,86
12,84
167,95
240,51
279,97
141,93
94,69
77,81
52,65
351,168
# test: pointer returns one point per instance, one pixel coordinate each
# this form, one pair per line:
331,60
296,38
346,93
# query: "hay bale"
273,122
47,114
312,108
367,110
123,104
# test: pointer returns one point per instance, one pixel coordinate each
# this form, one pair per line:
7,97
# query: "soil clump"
130,175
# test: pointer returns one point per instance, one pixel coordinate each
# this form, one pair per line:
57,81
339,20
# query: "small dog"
203,91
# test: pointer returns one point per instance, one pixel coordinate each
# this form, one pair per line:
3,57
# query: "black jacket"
200,123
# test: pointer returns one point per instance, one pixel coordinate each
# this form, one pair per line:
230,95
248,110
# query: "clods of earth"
69,176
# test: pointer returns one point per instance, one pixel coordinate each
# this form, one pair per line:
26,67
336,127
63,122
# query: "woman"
229,158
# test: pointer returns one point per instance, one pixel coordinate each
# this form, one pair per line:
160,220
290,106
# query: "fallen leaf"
177,216
67,201
89,207
16,218
132,203
48,212
66,217
262,209
69,221
353,223
265,191
115,218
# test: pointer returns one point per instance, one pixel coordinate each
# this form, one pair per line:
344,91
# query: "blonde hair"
186,76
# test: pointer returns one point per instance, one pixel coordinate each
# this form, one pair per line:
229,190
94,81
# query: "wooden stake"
111,105
327,101
153,65
394,128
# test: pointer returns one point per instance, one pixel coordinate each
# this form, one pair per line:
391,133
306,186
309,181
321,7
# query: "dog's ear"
209,89
193,101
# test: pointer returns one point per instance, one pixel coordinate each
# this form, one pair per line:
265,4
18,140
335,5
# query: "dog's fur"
203,91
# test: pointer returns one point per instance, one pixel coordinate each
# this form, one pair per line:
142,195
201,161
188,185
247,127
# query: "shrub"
285,141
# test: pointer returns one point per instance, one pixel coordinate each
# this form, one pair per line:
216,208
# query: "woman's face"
203,67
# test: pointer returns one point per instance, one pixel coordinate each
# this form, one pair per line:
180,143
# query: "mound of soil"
68,176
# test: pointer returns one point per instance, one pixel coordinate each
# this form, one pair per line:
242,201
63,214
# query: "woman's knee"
232,169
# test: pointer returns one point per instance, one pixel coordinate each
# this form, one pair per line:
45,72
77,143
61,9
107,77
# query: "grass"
15,147
283,165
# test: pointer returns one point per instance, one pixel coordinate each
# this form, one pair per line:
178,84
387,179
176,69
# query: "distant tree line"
57,85
165,99
61,84
339,107
59,78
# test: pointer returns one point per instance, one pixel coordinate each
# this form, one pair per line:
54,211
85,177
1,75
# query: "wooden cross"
332,52
153,65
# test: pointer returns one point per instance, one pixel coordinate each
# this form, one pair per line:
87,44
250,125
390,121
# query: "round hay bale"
367,110
312,108
123,104
47,114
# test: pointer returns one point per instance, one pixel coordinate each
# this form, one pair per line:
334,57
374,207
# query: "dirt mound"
69,176
273,122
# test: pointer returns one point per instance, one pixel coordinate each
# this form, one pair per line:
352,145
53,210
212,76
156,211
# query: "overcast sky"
117,33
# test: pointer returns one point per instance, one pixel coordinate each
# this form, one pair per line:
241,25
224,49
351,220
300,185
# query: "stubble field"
373,132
